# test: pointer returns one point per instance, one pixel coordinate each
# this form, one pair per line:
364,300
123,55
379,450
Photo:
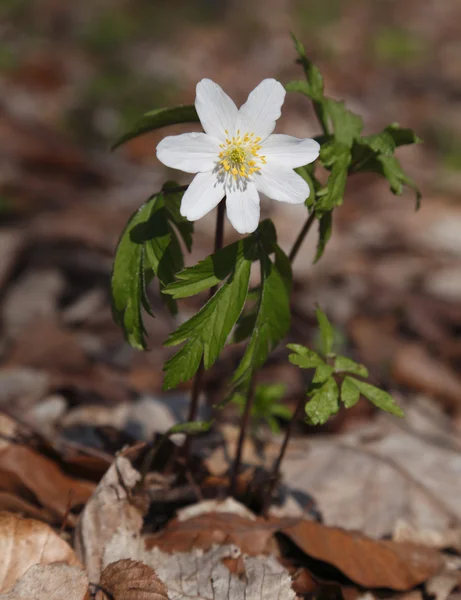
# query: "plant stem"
198,379
273,478
243,429
302,234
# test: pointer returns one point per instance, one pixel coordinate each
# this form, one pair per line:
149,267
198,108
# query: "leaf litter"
389,284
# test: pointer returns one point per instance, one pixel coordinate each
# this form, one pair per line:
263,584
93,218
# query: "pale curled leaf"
27,542
50,582
130,580
109,509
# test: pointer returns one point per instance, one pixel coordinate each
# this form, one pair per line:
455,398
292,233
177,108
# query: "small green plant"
236,158
267,406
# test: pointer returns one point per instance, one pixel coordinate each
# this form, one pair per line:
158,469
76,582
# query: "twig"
198,379
243,429
302,234
273,477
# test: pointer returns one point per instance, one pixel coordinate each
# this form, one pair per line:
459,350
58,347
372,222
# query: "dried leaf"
199,575
369,563
50,582
108,511
368,480
130,580
27,474
26,542
252,537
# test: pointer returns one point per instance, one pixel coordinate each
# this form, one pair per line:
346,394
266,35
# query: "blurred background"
75,75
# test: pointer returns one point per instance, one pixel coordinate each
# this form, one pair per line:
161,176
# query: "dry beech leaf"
130,580
50,582
25,473
253,536
108,511
199,575
26,542
370,479
368,563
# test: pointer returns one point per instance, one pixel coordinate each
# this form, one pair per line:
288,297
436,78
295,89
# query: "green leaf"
272,320
378,397
322,373
402,136
380,143
327,331
314,78
390,167
347,126
313,87
313,184
173,205
335,156
209,272
191,427
206,332
325,229
304,357
160,117
343,363
283,266
127,282
323,402
350,393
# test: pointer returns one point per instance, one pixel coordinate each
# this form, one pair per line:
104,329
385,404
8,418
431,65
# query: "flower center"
239,156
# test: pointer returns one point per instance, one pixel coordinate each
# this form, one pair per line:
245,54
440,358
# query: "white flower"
238,156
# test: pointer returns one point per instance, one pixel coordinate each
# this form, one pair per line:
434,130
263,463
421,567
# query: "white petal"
217,112
203,194
189,152
289,151
262,109
243,208
280,183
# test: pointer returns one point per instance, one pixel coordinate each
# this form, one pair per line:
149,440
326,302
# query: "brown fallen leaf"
130,580
251,536
368,563
26,542
26,473
109,510
50,582
389,470
416,368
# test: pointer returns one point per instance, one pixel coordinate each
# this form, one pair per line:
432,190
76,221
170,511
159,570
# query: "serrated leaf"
283,266
313,87
127,281
335,156
272,321
347,126
313,76
323,403
381,143
322,373
327,331
344,363
311,182
208,272
173,205
206,332
325,230
378,397
304,357
160,117
350,393
397,178
402,136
